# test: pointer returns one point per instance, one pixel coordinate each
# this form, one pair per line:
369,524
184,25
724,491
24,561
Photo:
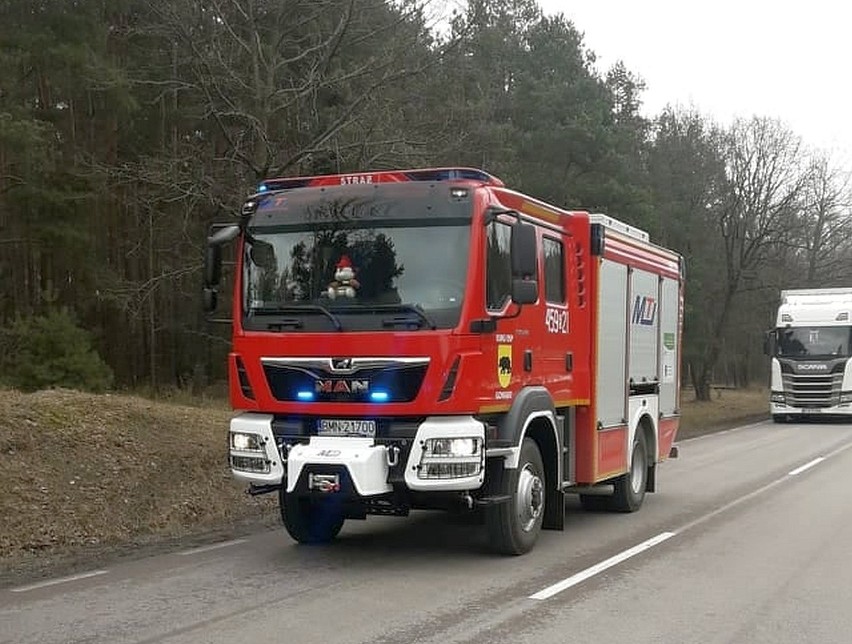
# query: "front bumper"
778,409
364,467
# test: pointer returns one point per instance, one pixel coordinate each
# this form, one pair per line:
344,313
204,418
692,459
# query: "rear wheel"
630,487
310,520
514,526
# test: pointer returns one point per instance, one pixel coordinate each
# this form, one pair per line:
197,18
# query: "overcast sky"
732,58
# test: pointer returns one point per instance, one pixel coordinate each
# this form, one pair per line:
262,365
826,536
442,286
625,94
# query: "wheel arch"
648,428
649,431
533,414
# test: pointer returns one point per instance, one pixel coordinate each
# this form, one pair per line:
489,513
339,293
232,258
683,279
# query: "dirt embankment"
84,474
78,471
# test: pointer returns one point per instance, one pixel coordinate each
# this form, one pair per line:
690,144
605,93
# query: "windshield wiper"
297,308
284,323
421,315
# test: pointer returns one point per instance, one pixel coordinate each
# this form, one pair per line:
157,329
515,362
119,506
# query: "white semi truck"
810,350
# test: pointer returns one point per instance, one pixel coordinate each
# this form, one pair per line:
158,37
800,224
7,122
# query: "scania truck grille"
812,390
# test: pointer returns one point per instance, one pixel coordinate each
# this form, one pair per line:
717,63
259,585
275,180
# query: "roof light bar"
393,176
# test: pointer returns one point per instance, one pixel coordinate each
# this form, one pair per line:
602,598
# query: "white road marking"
61,580
806,466
583,575
215,546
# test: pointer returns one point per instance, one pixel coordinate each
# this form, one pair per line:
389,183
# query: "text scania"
644,310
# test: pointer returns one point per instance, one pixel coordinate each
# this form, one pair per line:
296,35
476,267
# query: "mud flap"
554,510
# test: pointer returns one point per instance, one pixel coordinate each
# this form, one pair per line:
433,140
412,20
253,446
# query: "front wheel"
514,526
310,520
630,487
779,418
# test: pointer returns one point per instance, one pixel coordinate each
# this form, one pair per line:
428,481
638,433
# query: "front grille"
354,381
811,391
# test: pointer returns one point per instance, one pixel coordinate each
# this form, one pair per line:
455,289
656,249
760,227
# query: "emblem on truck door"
504,364
644,310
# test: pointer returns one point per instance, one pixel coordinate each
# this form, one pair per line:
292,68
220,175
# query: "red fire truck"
430,339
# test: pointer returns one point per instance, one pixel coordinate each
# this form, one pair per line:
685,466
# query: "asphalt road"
748,540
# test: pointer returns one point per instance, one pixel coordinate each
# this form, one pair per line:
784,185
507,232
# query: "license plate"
346,427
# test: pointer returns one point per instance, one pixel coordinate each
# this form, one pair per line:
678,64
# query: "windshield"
813,341
358,276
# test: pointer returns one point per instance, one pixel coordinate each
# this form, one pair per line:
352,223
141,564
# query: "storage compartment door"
610,390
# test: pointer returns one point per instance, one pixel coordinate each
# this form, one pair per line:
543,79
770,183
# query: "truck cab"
810,347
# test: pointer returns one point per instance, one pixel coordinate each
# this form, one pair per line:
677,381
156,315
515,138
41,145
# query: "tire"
779,418
311,520
514,526
630,487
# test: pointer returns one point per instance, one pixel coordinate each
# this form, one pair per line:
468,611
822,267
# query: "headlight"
846,396
246,442
450,458
452,447
778,397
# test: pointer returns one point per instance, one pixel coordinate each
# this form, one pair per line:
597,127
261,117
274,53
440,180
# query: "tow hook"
392,454
324,482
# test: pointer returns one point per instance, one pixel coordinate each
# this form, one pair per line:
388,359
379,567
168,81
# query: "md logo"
644,310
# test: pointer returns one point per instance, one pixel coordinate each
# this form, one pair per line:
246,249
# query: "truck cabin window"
554,271
498,266
813,342
355,270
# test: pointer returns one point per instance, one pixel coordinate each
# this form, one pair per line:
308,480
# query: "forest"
127,127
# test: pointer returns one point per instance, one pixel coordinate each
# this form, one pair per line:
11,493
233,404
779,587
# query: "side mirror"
769,343
212,265
524,255
262,254
209,299
524,291
523,251
221,234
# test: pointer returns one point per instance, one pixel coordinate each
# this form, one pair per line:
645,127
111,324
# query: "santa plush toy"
344,283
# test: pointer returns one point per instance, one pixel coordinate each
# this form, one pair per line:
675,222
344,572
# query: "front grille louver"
450,382
242,376
812,391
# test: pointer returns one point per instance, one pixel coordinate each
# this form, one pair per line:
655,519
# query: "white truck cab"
810,349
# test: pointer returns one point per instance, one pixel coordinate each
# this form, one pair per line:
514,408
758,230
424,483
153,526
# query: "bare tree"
767,179
825,239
